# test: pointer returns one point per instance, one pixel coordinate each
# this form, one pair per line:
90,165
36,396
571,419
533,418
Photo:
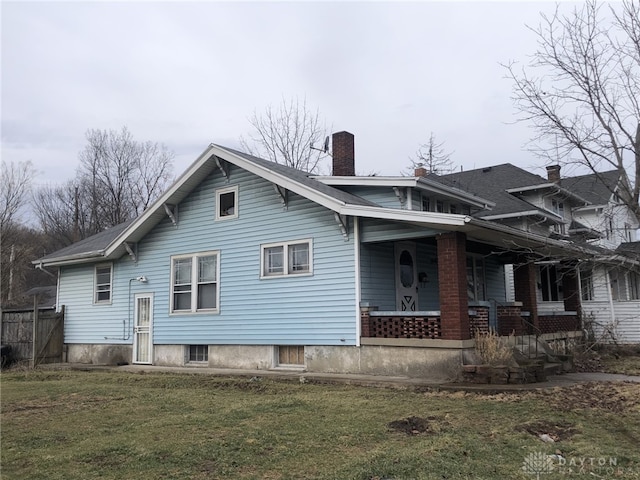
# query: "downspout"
611,306
356,253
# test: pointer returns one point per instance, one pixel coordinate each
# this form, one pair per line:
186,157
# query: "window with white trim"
102,283
586,284
618,281
291,258
195,282
227,203
426,204
634,285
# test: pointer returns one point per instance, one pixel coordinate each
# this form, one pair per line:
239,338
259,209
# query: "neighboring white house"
584,209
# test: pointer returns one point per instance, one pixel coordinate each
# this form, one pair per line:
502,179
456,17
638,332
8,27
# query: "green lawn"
97,424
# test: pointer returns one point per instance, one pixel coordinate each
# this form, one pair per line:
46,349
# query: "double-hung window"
550,283
102,283
586,284
195,282
291,258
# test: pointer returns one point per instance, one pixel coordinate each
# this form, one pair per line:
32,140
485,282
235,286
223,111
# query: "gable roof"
492,183
595,188
113,243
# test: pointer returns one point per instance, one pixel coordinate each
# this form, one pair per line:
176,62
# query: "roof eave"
417,216
84,257
420,183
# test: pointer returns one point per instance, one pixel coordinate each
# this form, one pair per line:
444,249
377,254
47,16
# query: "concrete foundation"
169,355
99,354
258,357
434,360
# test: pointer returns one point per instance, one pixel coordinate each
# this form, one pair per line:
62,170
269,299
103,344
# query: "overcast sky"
188,74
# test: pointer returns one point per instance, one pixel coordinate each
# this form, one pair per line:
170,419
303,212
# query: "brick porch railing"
420,325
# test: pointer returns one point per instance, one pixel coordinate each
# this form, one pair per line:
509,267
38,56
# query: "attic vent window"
227,203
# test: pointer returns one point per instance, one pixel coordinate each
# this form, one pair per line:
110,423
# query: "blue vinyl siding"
377,267
376,230
319,309
383,196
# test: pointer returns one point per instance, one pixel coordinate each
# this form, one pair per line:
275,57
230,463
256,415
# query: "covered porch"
440,289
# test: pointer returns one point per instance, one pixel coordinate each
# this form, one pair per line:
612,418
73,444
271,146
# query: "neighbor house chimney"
343,154
553,173
420,172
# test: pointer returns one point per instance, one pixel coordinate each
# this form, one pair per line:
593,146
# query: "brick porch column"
524,279
571,291
452,274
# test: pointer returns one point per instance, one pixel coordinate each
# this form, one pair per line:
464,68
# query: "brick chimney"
343,146
420,172
553,173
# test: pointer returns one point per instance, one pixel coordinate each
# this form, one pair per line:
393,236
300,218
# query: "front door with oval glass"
406,277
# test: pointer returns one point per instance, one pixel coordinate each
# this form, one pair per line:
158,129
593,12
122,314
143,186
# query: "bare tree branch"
285,134
581,92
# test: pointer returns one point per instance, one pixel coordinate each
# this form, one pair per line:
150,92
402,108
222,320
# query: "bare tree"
120,177
58,209
18,243
581,91
15,187
432,157
286,133
117,179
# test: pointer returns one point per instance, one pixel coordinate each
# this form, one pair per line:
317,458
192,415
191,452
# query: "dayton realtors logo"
539,463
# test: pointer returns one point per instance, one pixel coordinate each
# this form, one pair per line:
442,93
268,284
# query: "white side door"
143,328
406,277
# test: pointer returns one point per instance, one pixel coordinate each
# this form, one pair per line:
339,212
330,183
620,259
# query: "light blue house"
244,263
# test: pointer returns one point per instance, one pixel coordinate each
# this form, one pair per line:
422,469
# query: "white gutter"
527,213
541,186
404,215
533,237
69,259
421,183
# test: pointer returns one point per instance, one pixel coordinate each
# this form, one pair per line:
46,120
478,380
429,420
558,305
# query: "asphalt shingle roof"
593,187
95,243
304,179
491,183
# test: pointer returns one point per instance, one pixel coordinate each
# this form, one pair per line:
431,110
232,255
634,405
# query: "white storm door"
406,277
142,329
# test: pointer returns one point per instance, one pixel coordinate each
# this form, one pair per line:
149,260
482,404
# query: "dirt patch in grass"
612,397
69,402
418,425
558,431
617,397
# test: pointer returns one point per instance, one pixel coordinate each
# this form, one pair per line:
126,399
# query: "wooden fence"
19,328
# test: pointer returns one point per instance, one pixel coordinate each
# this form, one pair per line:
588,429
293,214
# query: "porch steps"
529,349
